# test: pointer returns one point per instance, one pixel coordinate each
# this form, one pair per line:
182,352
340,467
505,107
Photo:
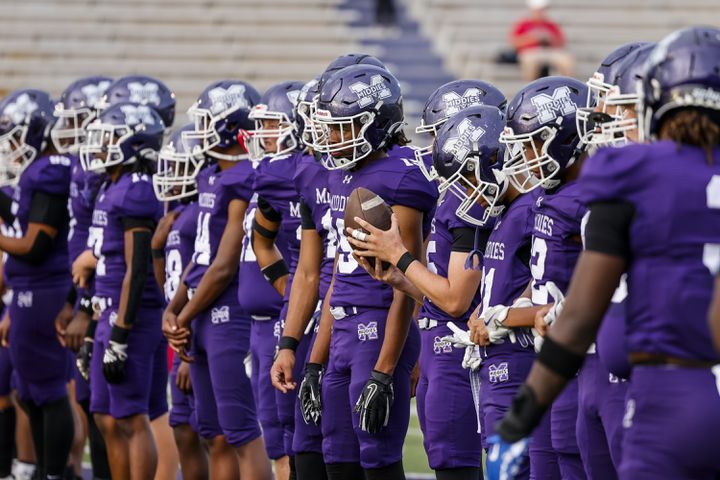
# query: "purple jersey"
311,182
506,272
216,189
274,184
179,247
131,196
256,296
84,187
439,249
674,238
397,181
556,242
50,175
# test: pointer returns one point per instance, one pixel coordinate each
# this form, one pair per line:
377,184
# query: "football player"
36,269
653,213
219,335
374,344
172,247
123,143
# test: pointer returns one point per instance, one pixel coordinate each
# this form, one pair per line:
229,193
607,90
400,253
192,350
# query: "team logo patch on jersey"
467,135
144,93
367,332
369,94
25,299
441,346
225,98
94,91
454,102
136,114
220,315
499,373
20,109
550,107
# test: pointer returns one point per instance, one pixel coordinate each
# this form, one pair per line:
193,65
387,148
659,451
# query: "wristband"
405,261
288,343
119,334
559,359
90,332
158,253
85,306
276,270
72,296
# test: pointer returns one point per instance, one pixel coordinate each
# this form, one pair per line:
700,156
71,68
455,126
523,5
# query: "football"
369,206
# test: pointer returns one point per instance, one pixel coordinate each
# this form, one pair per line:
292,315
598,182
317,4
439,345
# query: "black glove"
375,402
524,415
84,355
309,394
116,355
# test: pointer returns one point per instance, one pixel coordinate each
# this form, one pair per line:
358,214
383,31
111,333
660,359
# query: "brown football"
363,203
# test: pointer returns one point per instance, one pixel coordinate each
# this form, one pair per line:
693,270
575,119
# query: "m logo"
222,99
454,102
25,299
137,114
220,315
144,93
441,346
550,107
367,332
19,110
368,94
277,329
498,373
93,92
467,135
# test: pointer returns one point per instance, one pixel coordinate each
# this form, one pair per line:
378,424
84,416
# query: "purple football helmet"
177,168
75,110
464,142
277,104
348,60
26,117
682,71
142,90
599,85
620,106
305,105
445,102
122,134
540,135
219,113
359,110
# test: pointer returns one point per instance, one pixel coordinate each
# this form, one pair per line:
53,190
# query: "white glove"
550,317
472,358
461,339
493,317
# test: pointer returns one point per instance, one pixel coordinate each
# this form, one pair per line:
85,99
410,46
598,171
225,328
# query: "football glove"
461,339
84,355
116,355
555,311
309,394
375,401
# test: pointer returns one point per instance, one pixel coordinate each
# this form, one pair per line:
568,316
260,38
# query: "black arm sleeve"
525,254
6,208
306,219
48,209
268,211
135,222
608,228
463,239
138,274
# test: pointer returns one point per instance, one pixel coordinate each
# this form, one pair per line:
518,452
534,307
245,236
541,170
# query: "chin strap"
474,259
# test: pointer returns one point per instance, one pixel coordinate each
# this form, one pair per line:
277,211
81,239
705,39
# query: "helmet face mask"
69,131
177,169
528,165
15,154
102,148
343,138
275,131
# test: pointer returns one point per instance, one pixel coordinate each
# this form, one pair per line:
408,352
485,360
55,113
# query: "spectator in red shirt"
540,42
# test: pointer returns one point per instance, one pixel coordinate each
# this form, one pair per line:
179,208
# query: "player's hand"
83,268
504,460
159,238
182,378
309,394
62,320
385,245
391,275
375,401
75,331
84,354
493,318
281,375
116,355
178,337
478,332
5,330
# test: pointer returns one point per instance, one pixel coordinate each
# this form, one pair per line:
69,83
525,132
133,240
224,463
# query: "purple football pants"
182,411
262,351
224,402
563,420
40,362
445,404
307,437
599,425
672,424
354,349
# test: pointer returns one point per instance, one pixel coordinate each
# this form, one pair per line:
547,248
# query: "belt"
261,318
641,358
426,323
339,313
100,304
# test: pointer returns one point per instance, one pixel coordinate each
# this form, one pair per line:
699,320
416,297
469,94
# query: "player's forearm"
159,271
521,317
396,332
302,303
321,348
211,286
452,300
181,297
